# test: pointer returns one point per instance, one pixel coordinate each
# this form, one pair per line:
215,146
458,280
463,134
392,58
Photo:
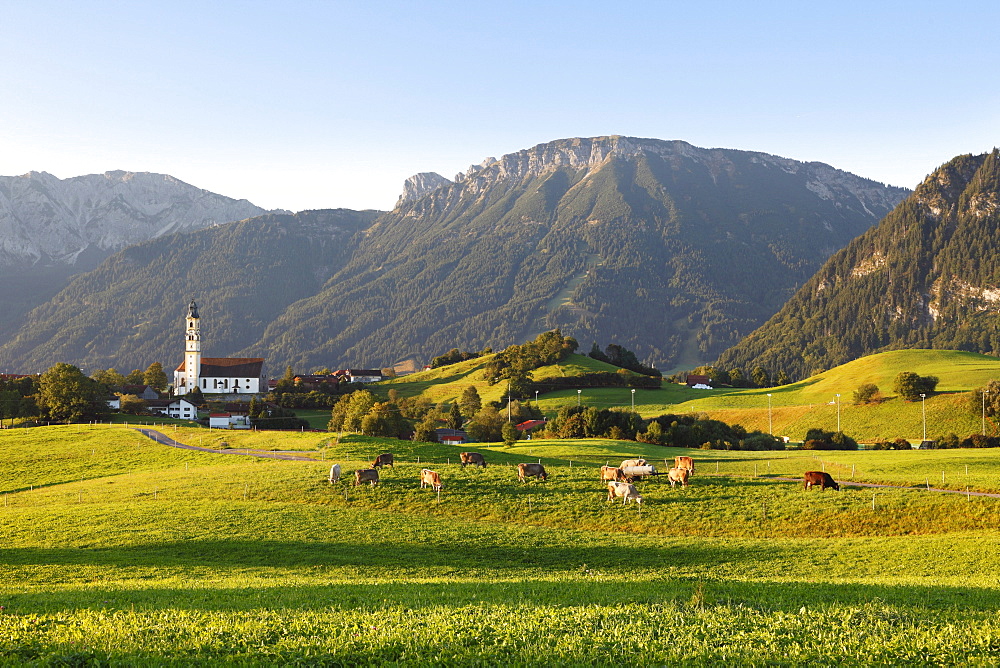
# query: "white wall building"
214,375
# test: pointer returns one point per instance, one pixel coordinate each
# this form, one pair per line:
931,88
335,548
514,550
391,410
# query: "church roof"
229,367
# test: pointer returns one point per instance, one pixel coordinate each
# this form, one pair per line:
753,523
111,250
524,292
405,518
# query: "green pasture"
794,408
117,551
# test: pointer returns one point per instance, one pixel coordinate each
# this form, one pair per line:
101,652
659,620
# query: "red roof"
212,415
528,424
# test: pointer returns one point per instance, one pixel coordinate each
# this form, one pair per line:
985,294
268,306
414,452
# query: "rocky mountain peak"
420,184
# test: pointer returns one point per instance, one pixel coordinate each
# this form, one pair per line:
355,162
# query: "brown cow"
683,462
366,475
613,473
473,458
537,470
821,478
385,459
625,490
676,475
633,462
432,478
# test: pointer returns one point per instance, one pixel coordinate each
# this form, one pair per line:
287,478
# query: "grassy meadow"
795,408
119,551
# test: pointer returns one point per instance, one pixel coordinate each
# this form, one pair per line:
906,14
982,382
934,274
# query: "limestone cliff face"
420,184
866,197
45,220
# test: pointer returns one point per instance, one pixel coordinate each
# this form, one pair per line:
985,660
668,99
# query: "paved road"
163,439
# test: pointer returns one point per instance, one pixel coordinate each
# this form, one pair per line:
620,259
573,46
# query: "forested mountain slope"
928,276
674,251
129,311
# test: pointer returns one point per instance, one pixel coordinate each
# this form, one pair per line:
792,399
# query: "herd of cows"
620,479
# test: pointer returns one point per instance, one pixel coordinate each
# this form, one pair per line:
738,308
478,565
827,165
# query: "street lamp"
536,398
578,392
923,413
770,425
633,401
984,411
838,413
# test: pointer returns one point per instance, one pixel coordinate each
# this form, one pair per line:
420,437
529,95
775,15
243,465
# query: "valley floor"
119,551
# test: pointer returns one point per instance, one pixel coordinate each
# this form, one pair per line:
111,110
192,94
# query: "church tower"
192,348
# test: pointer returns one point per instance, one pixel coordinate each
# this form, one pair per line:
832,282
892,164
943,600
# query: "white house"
228,421
180,409
214,375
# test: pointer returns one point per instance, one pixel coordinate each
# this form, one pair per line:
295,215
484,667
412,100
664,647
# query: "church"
214,375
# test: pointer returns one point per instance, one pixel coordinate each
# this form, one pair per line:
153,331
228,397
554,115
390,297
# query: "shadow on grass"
583,587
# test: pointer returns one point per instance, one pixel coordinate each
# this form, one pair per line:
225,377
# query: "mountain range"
674,251
52,229
928,276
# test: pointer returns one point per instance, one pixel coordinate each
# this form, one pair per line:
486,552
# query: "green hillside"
119,551
926,277
795,408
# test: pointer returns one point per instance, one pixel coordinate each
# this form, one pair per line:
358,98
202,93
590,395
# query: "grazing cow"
613,473
625,490
366,475
385,459
633,462
676,475
473,458
334,473
821,478
432,478
537,470
639,471
683,462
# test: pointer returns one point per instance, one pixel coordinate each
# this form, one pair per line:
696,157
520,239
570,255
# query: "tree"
135,377
470,402
910,385
597,354
866,393
485,426
66,394
760,377
454,417
424,431
155,377
509,433
131,404
110,378
195,396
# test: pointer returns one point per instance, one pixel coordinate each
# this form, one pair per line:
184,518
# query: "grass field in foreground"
168,557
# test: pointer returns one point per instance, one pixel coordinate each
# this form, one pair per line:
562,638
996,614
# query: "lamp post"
923,414
984,412
770,425
633,402
578,393
838,413
536,398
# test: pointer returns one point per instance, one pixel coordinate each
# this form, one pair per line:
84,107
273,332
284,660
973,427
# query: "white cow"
334,473
625,490
628,463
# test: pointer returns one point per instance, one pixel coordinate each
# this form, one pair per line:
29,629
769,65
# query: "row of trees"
515,363
735,377
621,357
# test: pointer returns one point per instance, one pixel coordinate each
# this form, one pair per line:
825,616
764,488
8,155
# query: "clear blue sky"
326,104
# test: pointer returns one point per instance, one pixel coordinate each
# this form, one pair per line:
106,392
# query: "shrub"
910,385
867,394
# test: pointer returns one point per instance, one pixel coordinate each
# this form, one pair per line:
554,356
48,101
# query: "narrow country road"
163,439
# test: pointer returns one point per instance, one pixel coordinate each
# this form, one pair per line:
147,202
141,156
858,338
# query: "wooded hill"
928,276
672,251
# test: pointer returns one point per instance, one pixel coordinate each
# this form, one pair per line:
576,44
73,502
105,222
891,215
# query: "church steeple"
192,348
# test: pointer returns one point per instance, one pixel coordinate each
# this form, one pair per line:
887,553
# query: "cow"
473,458
683,462
639,471
625,490
385,459
537,470
366,475
678,475
334,473
432,478
613,473
821,478
633,462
